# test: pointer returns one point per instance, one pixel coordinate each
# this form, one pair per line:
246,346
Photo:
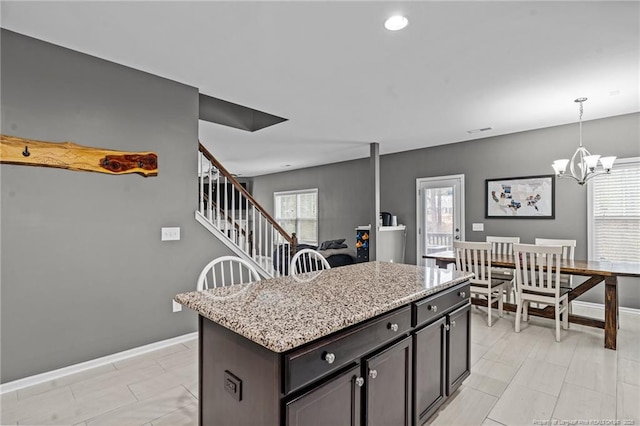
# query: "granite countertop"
284,313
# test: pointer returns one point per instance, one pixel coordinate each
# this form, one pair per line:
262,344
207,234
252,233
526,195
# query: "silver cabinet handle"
360,381
462,294
373,373
433,308
392,326
329,357
453,323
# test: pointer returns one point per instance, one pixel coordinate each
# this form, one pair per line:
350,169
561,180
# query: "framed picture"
529,197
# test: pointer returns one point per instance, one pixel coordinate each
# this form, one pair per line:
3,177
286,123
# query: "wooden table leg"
610,312
618,309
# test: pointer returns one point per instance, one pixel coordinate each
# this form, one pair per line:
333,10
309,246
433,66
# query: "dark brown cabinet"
458,347
385,384
335,403
393,369
430,369
442,360
389,381
307,365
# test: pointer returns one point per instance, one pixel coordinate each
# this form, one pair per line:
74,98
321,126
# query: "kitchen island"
371,343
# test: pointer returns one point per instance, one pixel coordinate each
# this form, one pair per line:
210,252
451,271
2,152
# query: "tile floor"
516,379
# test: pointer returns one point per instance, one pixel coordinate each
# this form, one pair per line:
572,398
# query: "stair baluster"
265,243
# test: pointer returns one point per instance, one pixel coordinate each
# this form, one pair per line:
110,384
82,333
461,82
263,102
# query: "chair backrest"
474,257
502,245
568,246
307,260
568,253
538,268
225,271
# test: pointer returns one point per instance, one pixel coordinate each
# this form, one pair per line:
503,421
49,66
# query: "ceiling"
343,81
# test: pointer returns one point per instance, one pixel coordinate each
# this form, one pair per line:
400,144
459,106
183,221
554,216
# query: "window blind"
297,211
615,230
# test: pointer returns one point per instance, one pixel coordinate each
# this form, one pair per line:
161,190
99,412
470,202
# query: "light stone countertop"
284,313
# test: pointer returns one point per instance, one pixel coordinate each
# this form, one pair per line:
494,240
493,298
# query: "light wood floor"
517,379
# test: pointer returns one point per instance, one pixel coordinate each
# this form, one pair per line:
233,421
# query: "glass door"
440,205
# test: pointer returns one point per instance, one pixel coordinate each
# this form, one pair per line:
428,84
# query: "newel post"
294,244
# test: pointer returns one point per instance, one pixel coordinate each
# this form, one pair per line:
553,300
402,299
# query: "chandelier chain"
581,110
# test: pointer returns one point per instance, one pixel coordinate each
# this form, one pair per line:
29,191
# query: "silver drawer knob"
462,294
373,373
329,357
360,381
453,323
433,308
392,326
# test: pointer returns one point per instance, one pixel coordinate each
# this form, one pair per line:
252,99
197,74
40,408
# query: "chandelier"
583,165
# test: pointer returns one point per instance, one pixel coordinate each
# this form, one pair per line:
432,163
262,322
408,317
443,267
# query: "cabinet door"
429,369
337,402
458,347
388,384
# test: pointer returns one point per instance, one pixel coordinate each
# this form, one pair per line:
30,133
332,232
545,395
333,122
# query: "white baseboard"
87,365
601,306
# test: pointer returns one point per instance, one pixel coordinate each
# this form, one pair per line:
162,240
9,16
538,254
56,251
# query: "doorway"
440,215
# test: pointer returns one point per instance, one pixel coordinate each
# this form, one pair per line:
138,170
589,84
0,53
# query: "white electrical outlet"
176,306
170,234
477,227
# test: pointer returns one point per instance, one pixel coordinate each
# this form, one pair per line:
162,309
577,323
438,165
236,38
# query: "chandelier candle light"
586,162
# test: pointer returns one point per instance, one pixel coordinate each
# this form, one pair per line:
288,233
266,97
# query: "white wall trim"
601,306
98,362
231,245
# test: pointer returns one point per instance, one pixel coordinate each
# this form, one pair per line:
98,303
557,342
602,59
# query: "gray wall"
84,273
520,154
344,195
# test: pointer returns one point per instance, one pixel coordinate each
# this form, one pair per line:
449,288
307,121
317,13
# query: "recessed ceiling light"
396,22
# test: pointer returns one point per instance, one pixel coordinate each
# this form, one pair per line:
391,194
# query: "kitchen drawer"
434,306
317,360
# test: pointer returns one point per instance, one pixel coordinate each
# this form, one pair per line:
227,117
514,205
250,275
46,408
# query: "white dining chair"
568,253
499,246
307,260
225,271
476,257
538,280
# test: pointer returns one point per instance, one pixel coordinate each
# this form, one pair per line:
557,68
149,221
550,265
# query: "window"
297,211
614,213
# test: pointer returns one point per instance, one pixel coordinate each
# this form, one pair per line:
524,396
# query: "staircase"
229,212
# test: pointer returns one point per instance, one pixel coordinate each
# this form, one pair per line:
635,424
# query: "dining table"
595,271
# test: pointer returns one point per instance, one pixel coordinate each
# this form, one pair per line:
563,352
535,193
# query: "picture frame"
527,197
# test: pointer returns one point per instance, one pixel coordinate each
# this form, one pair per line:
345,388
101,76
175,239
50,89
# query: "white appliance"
391,243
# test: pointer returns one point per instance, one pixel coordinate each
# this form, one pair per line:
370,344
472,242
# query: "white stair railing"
228,210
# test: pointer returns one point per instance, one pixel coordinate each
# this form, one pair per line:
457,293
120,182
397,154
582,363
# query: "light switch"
478,226
170,234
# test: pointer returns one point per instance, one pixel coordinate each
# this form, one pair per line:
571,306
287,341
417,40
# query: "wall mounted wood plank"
71,156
